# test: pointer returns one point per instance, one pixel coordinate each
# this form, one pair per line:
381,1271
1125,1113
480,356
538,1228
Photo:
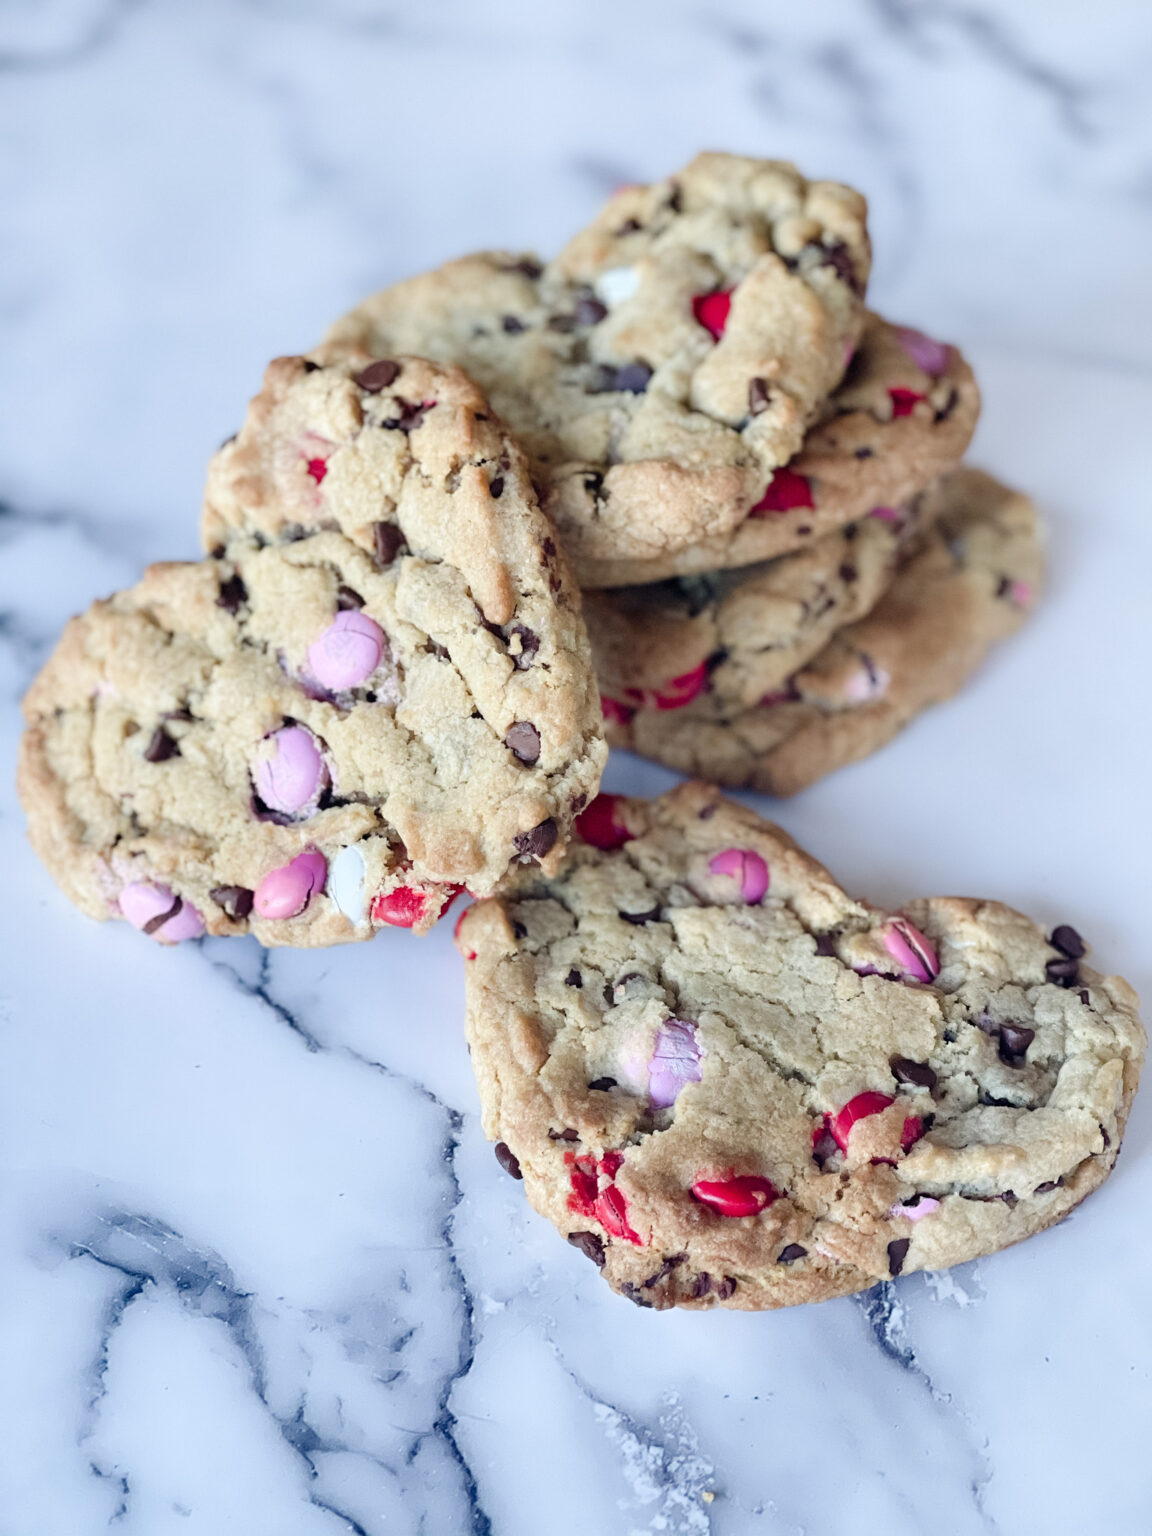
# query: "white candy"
616,285
346,883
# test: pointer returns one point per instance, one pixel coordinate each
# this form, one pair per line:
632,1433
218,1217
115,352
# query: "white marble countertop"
259,1271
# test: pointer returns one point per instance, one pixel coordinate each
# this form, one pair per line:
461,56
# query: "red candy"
903,400
673,694
608,1205
468,954
745,1195
405,907
711,311
611,1211
317,468
599,825
786,491
840,1124
911,1132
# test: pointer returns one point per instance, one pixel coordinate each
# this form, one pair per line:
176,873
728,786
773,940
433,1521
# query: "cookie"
966,582
667,361
307,737
742,634
729,1083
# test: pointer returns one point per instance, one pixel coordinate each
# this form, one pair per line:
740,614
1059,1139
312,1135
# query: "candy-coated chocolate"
286,891
348,652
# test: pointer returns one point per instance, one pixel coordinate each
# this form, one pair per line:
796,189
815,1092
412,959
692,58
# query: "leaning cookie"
729,1083
667,362
967,582
742,634
311,737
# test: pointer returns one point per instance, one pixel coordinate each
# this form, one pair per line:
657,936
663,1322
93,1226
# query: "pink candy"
911,950
747,867
295,775
348,652
931,356
924,1206
675,1061
886,514
161,914
286,891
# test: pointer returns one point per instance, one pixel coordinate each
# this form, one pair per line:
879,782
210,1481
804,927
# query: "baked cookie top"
741,634
728,1082
667,361
310,737
969,577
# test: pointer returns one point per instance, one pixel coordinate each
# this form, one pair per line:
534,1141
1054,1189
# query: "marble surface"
259,1271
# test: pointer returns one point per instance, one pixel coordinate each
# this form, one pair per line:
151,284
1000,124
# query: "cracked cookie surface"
728,1082
390,700
666,362
967,580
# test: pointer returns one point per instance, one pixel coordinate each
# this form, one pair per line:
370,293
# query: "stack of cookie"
755,478
725,1080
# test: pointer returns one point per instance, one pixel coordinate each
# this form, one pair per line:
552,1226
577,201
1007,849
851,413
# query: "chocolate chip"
1065,973
591,1246
847,572
1107,1138
377,376
1048,1186
233,592
850,532
823,1147
603,1084
508,1159
387,541
410,417
1004,586
633,378
629,227
347,599
665,1269
310,366
949,405
918,1073
573,978
523,741
825,944
636,1297
1014,1043
161,747
529,645
1007,1196
496,488
1084,998
804,528
537,841
1068,942
897,1253
638,919
562,323
726,1287
568,1134
518,930
528,265
234,900
839,258
434,648
590,311
864,453
511,325
790,1254
157,922
758,396
701,1285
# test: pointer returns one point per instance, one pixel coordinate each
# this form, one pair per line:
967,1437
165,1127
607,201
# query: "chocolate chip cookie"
668,360
727,1082
968,580
312,734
